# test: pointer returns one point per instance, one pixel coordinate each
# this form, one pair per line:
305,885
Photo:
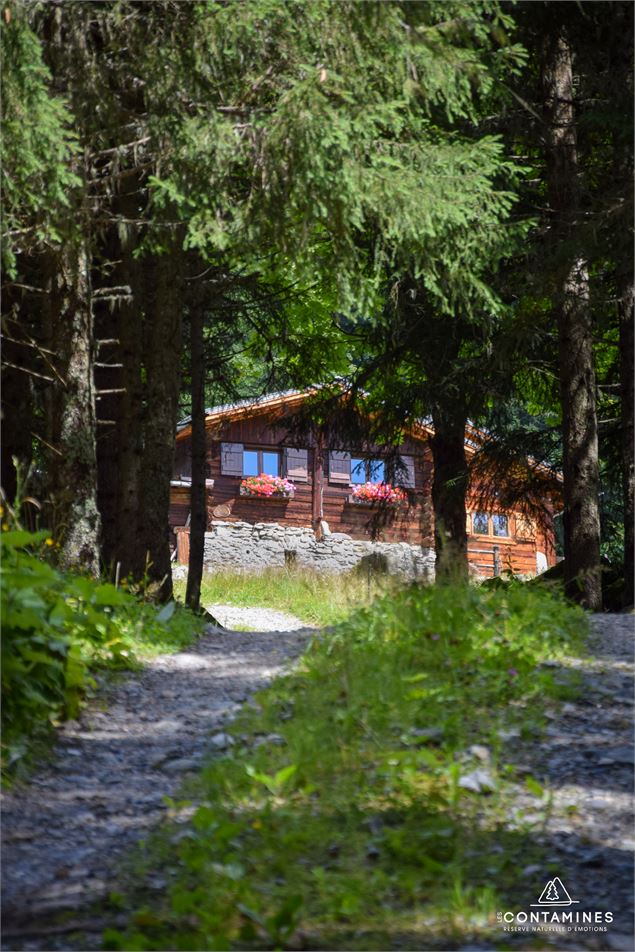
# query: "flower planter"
275,497
266,487
378,494
372,503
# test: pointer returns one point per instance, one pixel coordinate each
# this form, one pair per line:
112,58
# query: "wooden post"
317,511
182,534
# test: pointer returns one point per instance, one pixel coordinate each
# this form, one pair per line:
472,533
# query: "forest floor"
66,832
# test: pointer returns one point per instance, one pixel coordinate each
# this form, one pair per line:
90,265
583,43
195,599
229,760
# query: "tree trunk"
439,341
577,372
627,379
162,349
68,318
120,443
74,466
131,349
107,379
449,486
17,416
198,502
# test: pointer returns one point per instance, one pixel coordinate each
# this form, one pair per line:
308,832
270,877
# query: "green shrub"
57,630
353,824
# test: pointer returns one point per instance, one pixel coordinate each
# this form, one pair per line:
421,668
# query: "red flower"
379,492
265,485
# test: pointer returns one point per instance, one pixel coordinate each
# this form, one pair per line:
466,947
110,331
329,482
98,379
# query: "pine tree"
358,160
573,122
37,146
577,374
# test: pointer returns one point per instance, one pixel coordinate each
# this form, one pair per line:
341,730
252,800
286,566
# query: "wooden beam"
318,482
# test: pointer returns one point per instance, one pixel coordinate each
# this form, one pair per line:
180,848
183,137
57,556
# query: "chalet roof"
283,400
287,399
233,409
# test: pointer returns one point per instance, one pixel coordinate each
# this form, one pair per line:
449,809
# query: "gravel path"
64,833
254,619
585,763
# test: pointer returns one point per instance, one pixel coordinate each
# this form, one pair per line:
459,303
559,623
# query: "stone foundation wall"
266,545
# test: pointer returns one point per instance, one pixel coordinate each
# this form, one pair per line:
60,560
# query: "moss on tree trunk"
73,469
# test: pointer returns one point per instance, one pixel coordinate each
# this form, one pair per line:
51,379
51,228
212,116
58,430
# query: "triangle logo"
555,894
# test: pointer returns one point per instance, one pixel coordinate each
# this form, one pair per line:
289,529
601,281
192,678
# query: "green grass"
353,830
316,599
148,635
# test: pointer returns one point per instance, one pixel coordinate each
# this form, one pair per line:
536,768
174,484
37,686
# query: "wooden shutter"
407,472
231,459
339,468
525,528
296,464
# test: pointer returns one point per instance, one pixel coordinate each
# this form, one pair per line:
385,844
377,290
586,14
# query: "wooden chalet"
250,437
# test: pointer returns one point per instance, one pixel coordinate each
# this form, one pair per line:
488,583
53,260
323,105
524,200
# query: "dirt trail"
105,786
66,832
585,763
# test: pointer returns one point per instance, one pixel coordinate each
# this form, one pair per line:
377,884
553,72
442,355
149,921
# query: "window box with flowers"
266,487
368,494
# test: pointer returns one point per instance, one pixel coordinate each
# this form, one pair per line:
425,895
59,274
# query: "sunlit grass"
315,598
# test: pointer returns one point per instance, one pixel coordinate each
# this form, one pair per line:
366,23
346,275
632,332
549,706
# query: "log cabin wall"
524,550
412,523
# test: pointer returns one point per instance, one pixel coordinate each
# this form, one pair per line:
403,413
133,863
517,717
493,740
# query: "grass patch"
356,826
317,599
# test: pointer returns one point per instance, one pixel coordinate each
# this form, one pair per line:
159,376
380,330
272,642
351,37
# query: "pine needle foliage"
344,132
37,143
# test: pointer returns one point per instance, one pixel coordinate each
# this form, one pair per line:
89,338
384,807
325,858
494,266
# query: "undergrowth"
316,599
363,805
58,630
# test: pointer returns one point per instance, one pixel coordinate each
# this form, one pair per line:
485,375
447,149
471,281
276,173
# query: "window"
367,470
480,523
256,462
358,470
500,525
376,471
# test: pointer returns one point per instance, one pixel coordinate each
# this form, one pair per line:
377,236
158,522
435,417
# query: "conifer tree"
37,180
573,122
332,133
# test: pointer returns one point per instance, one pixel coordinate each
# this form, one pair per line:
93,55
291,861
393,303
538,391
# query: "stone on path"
478,781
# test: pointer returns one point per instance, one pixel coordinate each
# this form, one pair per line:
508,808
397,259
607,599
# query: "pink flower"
379,492
512,672
266,486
